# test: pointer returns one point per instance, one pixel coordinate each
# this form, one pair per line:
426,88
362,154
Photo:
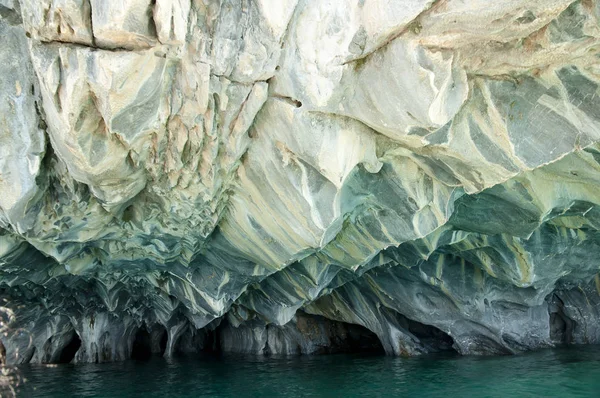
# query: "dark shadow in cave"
68,353
212,341
561,326
559,329
142,345
362,340
158,339
28,356
349,338
164,338
432,338
177,346
198,341
2,353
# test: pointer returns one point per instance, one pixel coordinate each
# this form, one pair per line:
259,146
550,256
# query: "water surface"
564,372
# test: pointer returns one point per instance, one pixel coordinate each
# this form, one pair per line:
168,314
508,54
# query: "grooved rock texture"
298,176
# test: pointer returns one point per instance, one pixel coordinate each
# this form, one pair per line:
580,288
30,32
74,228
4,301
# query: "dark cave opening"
182,343
162,345
2,353
353,339
28,355
306,335
561,328
158,338
212,342
362,340
68,353
432,338
558,328
142,345
560,325
205,341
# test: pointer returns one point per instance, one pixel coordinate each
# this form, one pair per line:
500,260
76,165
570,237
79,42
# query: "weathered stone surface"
123,24
58,20
21,132
297,177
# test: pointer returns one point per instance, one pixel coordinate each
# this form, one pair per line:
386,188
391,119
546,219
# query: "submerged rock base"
298,176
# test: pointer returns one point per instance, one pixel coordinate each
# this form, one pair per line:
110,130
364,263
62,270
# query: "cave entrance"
2,353
429,337
559,332
162,346
359,340
342,337
212,341
197,341
432,338
560,325
68,353
142,345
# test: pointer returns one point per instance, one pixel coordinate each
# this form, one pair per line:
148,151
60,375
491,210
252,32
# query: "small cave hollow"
362,340
432,338
560,325
28,355
341,337
158,338
142,345
198,341
2,353
68,352
212,342
162,345
561,328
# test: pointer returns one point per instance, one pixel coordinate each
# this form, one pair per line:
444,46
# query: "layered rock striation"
298,176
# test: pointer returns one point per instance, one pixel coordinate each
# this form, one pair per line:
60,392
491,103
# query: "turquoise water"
573,372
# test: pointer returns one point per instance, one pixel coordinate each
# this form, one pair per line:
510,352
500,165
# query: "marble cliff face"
298,176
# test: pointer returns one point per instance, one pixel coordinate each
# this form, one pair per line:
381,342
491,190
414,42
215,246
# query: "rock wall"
426,170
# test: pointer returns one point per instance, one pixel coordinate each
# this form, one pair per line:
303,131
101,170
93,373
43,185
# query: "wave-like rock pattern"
298,176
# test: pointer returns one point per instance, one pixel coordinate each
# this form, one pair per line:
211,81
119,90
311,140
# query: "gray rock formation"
298,176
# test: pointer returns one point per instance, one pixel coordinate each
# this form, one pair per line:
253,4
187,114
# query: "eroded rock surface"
298,176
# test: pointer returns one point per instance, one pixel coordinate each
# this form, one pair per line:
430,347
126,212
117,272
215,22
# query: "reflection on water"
565,372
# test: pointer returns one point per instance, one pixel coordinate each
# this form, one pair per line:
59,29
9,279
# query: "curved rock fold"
298,177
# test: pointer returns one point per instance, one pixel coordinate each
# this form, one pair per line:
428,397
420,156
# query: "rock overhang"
176,165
